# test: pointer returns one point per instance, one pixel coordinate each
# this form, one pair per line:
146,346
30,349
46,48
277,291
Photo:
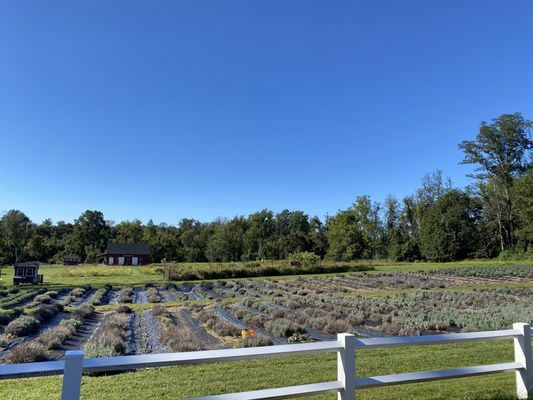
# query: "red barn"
71,259
126,254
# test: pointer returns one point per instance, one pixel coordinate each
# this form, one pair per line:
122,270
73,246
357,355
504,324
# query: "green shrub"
109,339
157,311
46,312
83,311
98,297
123,309
53,338
42,299
71,323
284,328
6,316
126,295
94,350
19,296
27,352
255,341
22,326
304,259
180,339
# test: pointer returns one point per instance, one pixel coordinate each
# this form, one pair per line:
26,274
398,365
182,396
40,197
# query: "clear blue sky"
170,109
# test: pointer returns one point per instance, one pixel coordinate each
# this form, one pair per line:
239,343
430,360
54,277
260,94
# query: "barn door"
134,260
121,261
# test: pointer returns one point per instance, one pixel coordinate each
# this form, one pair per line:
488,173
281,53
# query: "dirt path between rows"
140,296
147,333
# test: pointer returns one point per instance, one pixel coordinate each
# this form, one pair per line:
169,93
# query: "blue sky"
170,109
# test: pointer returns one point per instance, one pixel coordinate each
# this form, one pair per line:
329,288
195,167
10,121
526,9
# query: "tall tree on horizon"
502,153
15,230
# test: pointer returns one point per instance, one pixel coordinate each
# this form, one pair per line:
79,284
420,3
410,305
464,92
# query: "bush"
6,316
46,312
109,340
298,338
94,350
99,296
123,309
71,323
219,325
42,299
338,326
27,352
22,326
75,294
180,339
304,259
17,297
157,311
255,341
83,311
284,328
225,328
153,295
126,295
78,292
53,338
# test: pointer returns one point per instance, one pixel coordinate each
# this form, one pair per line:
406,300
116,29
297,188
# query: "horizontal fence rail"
74,365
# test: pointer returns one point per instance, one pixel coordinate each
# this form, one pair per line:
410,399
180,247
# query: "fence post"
346,366
522,354
72,375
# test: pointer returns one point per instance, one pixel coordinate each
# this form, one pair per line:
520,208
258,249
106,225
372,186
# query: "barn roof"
27,264
127,248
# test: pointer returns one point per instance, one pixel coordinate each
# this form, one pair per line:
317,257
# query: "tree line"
439,222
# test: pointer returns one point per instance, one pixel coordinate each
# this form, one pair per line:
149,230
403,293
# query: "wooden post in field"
346,366
522,354
72,375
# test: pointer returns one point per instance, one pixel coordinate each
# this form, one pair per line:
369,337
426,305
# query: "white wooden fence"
345,346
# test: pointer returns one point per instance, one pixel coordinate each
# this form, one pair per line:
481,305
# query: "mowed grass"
207,379
59,276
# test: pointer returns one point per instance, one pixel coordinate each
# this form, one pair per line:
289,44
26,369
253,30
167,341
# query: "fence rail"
346,385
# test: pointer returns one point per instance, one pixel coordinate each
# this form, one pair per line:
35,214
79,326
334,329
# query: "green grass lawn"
206,379
58,276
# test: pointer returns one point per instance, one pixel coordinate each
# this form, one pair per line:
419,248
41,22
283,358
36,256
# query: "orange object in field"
244,333
251,331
